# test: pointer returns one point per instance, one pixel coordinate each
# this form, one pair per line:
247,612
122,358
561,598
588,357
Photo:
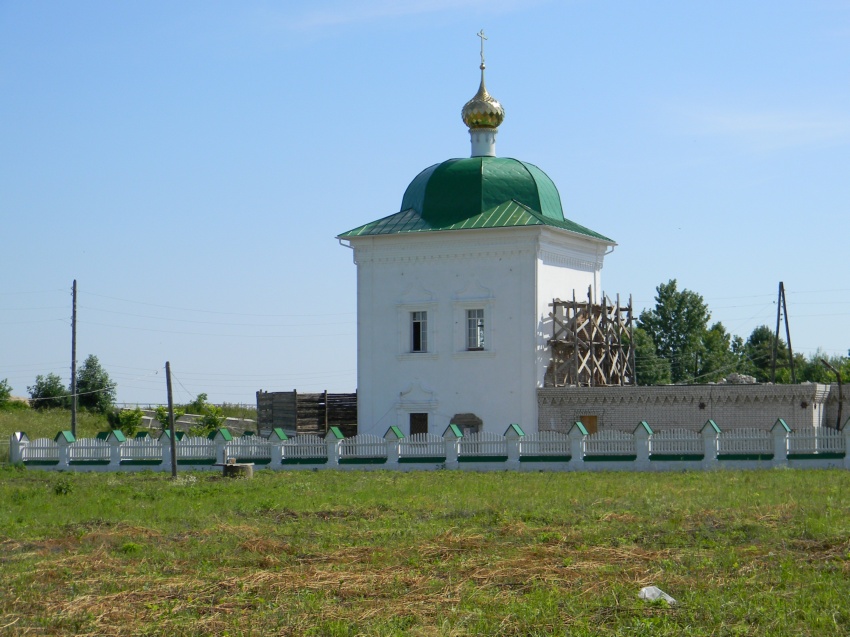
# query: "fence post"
577,434
165,442
63,440
276,440
452,436
115,439
780,432
221,437
514,435
642,434
18,441
393,436
333,439
710,435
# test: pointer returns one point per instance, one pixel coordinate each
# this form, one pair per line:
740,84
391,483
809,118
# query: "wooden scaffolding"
591,344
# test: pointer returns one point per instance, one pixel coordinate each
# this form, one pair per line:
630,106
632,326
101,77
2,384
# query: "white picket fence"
676,442
745,442
305,449
641,450
816,442
39,450
249,449
141,450
422,447
483,444
90,450
363,447
545,444
608,443
196,449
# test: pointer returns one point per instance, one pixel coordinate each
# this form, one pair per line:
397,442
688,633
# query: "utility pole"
74,360
171,421
782,308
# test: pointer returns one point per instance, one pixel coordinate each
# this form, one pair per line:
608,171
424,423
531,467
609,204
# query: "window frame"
405,331
419,331
475,330
460,336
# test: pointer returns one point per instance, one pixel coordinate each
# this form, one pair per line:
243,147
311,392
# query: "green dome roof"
459,189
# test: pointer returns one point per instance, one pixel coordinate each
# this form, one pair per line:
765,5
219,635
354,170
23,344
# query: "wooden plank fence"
300,413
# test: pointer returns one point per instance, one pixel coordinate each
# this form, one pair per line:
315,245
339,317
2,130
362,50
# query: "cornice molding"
549,257
684,395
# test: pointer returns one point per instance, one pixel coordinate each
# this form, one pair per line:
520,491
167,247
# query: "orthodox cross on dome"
483,37
483,114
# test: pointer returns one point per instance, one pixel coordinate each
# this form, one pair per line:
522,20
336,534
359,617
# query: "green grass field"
442,553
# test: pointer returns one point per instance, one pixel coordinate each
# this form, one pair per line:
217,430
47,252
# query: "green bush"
127,421
63,486
7,403
48,392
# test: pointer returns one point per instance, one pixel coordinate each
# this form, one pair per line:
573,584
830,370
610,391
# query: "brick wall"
690,406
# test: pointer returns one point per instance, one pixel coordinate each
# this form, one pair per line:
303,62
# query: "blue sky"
191,163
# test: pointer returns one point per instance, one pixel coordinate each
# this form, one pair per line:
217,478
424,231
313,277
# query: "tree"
5,392
813,370
212,416
677,326
718,358
758,355
48,392
197,405
650,369
7,403
95,390
162,416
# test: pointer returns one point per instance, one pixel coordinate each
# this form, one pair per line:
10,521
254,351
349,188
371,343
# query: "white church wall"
446,275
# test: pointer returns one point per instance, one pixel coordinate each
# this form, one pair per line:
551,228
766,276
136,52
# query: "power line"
185,309
178,320
207,334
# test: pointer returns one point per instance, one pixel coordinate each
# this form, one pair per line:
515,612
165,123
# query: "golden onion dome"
483,110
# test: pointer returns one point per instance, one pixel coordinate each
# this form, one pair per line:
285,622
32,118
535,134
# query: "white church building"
453,291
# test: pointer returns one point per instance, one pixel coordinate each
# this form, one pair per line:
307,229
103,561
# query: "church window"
419,331
418,424
475,329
